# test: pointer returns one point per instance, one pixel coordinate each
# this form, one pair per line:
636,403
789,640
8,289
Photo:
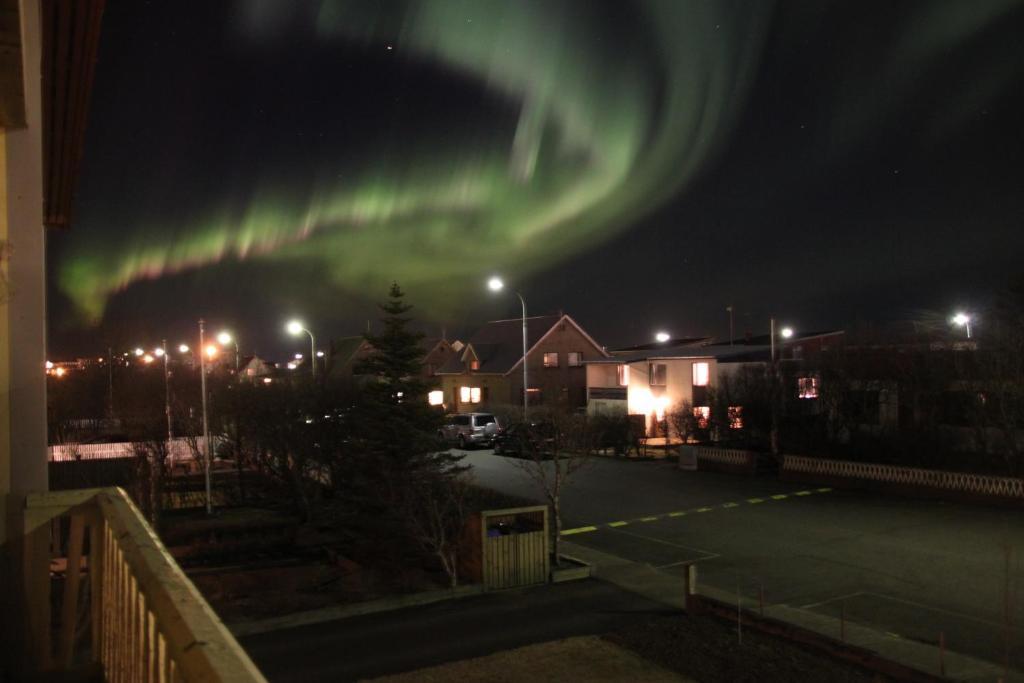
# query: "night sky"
638,165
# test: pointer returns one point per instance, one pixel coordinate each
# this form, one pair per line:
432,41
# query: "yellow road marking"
802,493
703,509
677,514
578,530
755,501
730,505
613,524
648,519
779,496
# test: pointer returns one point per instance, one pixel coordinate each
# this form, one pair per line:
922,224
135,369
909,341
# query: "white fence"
727,456
1004,487
70,452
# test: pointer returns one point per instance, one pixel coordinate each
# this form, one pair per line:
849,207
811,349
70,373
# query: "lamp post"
206,423
162,351
963,320
496,285
729,309
225,338
295,328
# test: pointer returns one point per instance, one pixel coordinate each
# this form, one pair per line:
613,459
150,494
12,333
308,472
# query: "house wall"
654,402
497,391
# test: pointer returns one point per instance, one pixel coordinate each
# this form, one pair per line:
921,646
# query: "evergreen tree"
395,428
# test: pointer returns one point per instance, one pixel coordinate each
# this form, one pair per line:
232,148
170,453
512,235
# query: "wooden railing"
146,620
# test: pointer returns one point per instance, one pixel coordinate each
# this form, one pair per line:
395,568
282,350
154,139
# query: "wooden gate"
515,547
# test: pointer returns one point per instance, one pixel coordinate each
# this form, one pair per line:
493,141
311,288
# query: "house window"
703,414
735,417
807,387
436,397
469,394
551,360
658,374
575,359
623,375
474,364
700,374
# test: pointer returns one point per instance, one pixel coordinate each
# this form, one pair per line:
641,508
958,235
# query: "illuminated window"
474,364
575,359
623,374
703,414
807,387
735,417
551,360
700,374
464,394
436,397
474,395
659,374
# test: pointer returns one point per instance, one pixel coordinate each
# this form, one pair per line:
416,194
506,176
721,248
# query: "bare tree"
435,513
556,445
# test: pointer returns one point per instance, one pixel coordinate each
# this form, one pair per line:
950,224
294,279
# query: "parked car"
470,429
521,439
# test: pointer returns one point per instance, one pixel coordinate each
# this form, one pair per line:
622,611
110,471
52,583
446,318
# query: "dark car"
522,439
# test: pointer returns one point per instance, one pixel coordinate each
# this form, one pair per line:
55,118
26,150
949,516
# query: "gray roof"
498,345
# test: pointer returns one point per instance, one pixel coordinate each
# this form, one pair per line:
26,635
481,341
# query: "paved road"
908,567
410,639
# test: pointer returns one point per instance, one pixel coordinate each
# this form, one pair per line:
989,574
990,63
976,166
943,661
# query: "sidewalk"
669,590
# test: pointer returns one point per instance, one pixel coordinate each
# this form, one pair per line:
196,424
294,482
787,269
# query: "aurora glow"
614,118
594,115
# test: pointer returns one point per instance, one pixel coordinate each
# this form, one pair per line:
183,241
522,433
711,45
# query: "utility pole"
110,376
206,423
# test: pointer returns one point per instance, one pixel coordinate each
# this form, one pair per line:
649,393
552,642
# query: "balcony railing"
145,619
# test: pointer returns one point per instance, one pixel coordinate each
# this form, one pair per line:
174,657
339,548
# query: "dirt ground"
584,658
707,650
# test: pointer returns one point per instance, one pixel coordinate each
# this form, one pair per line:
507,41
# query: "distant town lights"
662,337
183,348
158,352
60,372
211,350
319,354
49,365
139,352
147,358
297,356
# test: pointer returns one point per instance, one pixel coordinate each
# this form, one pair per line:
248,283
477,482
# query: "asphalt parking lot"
911,568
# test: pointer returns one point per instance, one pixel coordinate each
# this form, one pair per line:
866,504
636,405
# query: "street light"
225,338
662,337
786,332
963,320
295,328
206,422
162,351
496,285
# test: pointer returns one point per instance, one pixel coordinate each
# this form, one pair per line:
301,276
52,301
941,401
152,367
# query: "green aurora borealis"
613,119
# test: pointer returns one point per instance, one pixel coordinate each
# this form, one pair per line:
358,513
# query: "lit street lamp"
662,337
225,338
496,285
295,328
963,320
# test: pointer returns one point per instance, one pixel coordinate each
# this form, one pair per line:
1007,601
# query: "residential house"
654,380
255,369
345,355
488,372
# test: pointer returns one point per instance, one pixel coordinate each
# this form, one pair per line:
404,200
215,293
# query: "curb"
250,628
